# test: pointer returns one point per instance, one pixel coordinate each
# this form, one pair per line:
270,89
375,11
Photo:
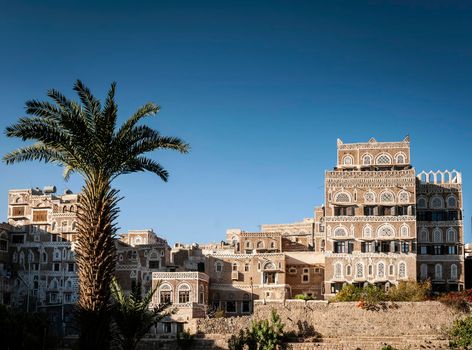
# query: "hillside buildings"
382,223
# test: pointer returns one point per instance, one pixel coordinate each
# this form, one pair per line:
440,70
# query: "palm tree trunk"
95,252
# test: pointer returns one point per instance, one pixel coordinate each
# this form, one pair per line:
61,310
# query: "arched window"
137,240
369,197
436,202
404,230
74,225
387,197
451,201
384,159
15,257
165,294
248,244
370,269
64,209
184,293
72,209
381,270
260,245
235,266
53,284
269,266
342,197
201,295
53,226
340,232
367,231
218,266
424,235
22,258
272,244
348,270
386,230
437,235
453,272
402,270
451,235
424,271
438,271
348,160
403,197
400,158
359,270
338,270
421,203
366,159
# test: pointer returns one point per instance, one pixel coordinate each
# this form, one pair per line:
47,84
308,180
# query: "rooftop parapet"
440,177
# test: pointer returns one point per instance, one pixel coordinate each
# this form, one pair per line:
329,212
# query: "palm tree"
133,316
84,138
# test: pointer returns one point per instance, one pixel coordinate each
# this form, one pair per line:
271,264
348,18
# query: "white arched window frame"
359,270
424,235
402,270
387,197
386,230
248,244
451,201
348,160
367,231
165,293
340,231
436,202
367,159
423,271
342,197
421,203
437,235
451,235
453,272
272,244
185,295
269,266
338,270
369,197
348,270
260,245
381,270
403,197
404,230
400,158
438,271
218,266
383,158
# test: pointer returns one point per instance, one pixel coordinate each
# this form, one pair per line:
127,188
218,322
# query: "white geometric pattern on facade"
386,230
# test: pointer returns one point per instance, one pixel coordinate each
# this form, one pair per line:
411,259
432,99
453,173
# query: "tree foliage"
83,137
133,316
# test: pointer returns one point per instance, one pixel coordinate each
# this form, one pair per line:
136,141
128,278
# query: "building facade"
382,223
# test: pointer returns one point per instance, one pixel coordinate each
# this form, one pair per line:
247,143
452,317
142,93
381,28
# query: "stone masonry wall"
345,326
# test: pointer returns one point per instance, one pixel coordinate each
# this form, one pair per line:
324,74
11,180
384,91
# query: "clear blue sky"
261,90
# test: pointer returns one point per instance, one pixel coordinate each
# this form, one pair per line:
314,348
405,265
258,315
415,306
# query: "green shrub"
410,291
388,347
303,297
461,334
349,292
268,334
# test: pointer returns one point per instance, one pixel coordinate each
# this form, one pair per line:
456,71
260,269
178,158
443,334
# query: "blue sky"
261,91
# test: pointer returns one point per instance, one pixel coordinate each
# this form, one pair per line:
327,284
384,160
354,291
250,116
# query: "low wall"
404,325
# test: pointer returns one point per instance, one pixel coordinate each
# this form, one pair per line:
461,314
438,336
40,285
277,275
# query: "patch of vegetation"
303,297
410,291
388,347
263,335
459,301
374,298
461,334
185,340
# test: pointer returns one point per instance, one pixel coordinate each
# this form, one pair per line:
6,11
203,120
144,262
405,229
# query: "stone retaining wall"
405,325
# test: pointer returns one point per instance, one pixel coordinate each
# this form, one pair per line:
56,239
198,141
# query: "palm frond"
147,110
38,152
144,164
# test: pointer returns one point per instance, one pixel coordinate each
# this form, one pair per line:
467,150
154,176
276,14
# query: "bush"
388,347
410,291
185,340
461,334
460,301
349,292
263,335
303,297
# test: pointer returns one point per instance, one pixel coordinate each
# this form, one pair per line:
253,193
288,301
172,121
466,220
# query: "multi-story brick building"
381,223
